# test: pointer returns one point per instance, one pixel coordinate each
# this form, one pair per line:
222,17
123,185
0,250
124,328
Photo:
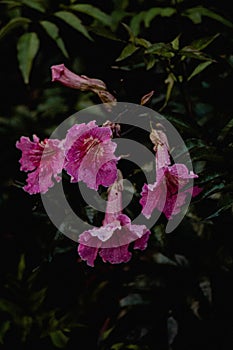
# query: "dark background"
178,293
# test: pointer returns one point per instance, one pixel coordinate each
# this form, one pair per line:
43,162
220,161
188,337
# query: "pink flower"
43,159
168,194
90,155
66,77
111,241
161,148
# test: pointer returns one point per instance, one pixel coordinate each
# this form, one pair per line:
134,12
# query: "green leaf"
199,69
218,212
59,339
74,22
202,43
25,324
27,48
4,327
189,51
161,49
11,308
21,267
93,12
105,33
127,51
157,11
36,299
170,83
150,61
136,22
196,13
14,23
142,42
10,3
53,31
225,130
117,346
175,43
38,5
213,189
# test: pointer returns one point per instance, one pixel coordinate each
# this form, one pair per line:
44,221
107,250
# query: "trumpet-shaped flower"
111,241
168,194
81,82
90,155
44,161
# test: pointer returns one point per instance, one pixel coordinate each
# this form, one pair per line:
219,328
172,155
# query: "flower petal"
90,157
141,243
115,255
153,196
45,158
88,254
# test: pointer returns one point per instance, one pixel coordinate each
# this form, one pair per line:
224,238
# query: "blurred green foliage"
178,293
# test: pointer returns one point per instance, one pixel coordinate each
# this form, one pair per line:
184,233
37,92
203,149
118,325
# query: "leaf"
14,23
196,13
202,43
218,212
94,12
146,98
21,267
136,22
36,299
4,327
129,31
158,11
161,49
172,329
53,31
117,346
9,2
212,190
127,51
189,51
26,325
142,42
105,33
73,21
150,61
199,69
35,4
59,339
175,43
225,130
10,308
27,48
170,83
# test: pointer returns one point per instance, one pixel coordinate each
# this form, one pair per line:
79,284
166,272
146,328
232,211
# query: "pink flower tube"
111,241
168,194
81,82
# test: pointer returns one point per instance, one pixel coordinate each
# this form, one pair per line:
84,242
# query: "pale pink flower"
161,148
81,82
90,155
168,194
111,241
43,159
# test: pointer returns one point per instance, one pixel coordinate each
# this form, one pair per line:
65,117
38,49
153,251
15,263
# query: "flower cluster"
87,154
